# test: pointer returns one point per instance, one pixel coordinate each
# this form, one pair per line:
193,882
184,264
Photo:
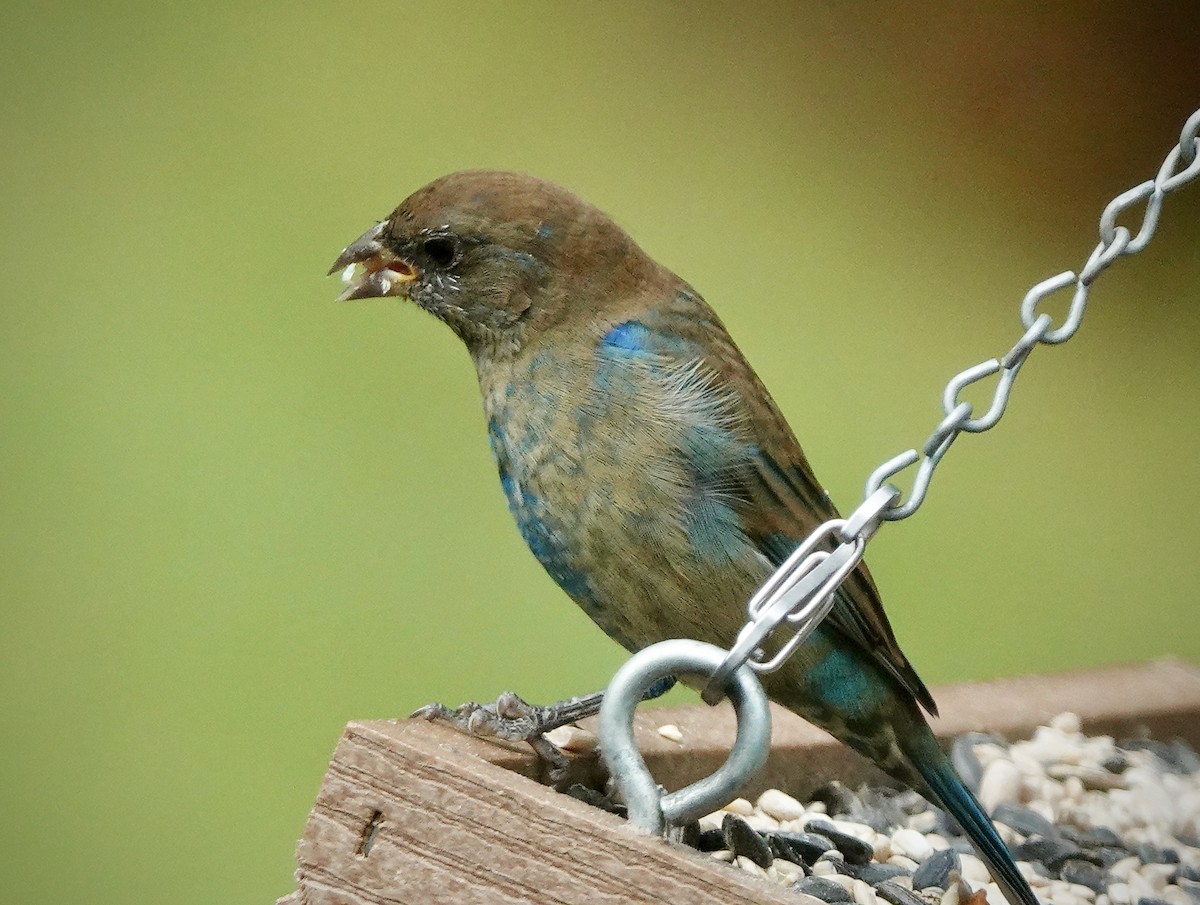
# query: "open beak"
369,270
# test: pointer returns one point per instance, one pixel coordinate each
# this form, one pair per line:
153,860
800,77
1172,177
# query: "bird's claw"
511,718
508,717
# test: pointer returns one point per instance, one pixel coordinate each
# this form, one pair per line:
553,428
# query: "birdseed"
1090,821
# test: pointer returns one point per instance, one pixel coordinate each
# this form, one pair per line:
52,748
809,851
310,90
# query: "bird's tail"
935,769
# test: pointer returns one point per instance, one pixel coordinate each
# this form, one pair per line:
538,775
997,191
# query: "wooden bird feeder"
415,812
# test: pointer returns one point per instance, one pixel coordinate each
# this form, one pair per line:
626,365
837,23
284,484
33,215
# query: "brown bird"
646,466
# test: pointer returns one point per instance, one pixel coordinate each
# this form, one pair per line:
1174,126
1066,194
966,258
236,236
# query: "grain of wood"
454,827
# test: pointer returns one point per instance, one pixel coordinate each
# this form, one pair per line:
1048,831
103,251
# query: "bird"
646,466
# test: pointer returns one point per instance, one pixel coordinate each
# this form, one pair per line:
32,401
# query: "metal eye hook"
649,808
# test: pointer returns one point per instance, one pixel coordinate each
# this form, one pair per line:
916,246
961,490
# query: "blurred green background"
236,514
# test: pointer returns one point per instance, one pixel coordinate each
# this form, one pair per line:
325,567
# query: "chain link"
801,591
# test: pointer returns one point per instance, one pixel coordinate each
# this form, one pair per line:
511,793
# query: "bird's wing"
782,503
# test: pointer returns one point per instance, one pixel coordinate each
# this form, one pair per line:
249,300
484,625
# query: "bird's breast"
622,492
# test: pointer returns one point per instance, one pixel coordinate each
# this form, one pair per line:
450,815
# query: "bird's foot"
513,719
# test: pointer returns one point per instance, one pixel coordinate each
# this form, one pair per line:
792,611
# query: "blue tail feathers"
966,809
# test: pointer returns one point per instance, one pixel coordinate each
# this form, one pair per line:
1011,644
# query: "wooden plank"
412,812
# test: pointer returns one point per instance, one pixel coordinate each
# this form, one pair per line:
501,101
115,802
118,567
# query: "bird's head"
500,257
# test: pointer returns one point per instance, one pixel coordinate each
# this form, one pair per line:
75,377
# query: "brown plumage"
646,465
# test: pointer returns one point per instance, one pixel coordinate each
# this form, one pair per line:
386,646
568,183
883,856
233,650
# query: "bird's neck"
509,376
493,352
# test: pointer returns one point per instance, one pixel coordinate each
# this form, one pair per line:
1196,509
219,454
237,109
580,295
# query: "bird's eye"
442,250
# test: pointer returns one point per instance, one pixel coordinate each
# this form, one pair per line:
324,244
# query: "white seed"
922,822
712,821
749,866
911,843
671,732
572,738
847,883
1007,834
857,830
1119,894
824,869
1066,898
1032,877
1025,761
721,854
1140,887
1067,722
1001,782
780,805
1041,808
761,822
836,858
1090,777
1173,895
882,846
1050,792
986,752
1073,788
1156,875
1051,746
1124,868
739,806
974,869
788,870
863,893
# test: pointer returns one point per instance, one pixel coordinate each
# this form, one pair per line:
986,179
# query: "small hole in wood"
369,833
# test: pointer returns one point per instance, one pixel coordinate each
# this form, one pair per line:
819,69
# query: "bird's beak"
382,272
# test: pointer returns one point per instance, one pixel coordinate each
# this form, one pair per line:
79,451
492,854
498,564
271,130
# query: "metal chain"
800,593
